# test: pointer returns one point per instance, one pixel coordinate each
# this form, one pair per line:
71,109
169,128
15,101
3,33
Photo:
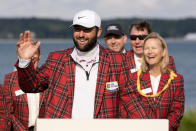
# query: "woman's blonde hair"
165,58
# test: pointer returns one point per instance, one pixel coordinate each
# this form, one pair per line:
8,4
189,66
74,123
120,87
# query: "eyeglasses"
141,37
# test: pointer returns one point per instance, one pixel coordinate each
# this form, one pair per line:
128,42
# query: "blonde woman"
160,88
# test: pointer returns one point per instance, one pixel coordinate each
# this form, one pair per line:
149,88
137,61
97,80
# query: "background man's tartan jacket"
17,105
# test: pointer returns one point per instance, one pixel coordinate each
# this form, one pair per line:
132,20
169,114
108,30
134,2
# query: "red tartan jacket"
170,104
17,105
131,62
5,121
58,76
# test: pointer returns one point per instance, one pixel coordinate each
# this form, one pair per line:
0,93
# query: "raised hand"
25,49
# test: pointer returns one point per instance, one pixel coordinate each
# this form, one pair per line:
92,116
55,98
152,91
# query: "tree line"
56,28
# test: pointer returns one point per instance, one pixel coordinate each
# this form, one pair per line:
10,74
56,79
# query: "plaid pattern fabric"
130,59
170,104
171,64
131,62
5,122
58,76
18,105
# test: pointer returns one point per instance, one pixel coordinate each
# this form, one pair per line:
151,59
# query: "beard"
89,46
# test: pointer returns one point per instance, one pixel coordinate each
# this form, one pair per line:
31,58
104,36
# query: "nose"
137,40
81,33
150,51
113,41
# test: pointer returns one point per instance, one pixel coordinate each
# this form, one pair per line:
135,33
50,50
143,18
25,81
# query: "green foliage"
55,28
188,122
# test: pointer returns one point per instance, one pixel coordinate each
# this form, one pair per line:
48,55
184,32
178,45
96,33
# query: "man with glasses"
137,33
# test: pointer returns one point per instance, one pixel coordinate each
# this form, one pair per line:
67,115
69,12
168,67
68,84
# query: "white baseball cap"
87,18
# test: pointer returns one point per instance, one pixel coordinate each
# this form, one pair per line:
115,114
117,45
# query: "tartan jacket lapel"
12,87
13,98
65,77
69,66
146,83
72,65
101,80
16,86
162,83
42,103
130,59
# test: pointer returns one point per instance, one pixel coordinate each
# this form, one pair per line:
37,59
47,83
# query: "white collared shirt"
86,59
123,51
33,105
84,93
155,83
137,63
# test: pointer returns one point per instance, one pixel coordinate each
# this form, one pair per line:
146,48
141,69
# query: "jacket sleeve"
33,81
177,109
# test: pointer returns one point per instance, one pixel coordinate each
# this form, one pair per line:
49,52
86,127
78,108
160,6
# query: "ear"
125,39
99,32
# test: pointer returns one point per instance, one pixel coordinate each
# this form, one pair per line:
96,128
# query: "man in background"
23,107
115,38
138,31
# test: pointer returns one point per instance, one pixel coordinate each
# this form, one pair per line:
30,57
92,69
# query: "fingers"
37,44
27,36
21,39
18,44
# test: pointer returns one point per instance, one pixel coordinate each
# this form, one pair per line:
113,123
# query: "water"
184,54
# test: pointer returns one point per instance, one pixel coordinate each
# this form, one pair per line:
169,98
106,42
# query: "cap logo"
112,28
87,18
79,17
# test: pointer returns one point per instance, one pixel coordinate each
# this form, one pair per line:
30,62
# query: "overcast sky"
65,9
